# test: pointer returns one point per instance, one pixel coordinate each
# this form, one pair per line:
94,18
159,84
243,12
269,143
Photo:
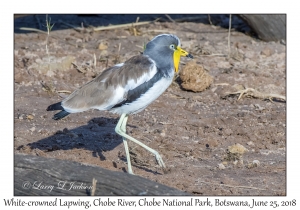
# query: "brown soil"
212,143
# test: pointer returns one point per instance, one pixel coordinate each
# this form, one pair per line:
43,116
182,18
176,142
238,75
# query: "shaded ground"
192,131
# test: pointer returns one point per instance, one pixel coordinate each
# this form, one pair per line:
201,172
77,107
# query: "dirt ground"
212,143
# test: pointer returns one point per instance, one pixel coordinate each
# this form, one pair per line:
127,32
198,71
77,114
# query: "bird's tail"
60,115
57,106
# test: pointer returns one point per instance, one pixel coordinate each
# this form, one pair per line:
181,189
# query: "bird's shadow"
98,136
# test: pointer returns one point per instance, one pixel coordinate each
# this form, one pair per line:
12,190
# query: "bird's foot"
160,161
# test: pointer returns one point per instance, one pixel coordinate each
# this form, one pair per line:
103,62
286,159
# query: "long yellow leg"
121,130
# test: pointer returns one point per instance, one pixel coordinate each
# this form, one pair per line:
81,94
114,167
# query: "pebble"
237,149
102,46
255,163
224,163
221,166
163,134
266,51
250,143
30,117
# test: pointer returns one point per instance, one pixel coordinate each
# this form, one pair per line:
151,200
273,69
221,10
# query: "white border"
191,6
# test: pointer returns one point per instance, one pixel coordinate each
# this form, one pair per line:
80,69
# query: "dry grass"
251,92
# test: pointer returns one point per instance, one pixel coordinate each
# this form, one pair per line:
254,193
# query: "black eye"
172,47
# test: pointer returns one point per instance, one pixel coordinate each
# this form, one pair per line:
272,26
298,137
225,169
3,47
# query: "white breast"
145,99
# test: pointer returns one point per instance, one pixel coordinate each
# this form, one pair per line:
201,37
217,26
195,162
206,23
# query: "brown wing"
111,86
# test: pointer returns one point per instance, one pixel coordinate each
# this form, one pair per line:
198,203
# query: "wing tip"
56,106
60,115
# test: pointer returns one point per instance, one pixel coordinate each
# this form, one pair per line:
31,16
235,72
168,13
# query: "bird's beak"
176,57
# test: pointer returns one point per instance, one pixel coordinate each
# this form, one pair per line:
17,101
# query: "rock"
237,149
30,117
239,45
250,143
221,166
254,164
266,51
102,46
235,153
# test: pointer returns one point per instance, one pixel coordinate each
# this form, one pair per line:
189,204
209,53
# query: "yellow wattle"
176,58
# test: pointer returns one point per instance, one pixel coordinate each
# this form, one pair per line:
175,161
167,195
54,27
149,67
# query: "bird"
128,88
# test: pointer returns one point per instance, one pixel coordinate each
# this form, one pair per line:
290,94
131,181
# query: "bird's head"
165,48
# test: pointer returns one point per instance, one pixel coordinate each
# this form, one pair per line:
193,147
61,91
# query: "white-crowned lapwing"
129,87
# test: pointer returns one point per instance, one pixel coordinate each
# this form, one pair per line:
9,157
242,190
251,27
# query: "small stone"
221,166
256,163
266,51
237,149
238,45
250,143
163,134
214,89
30,117
32,129
102,46
258,107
